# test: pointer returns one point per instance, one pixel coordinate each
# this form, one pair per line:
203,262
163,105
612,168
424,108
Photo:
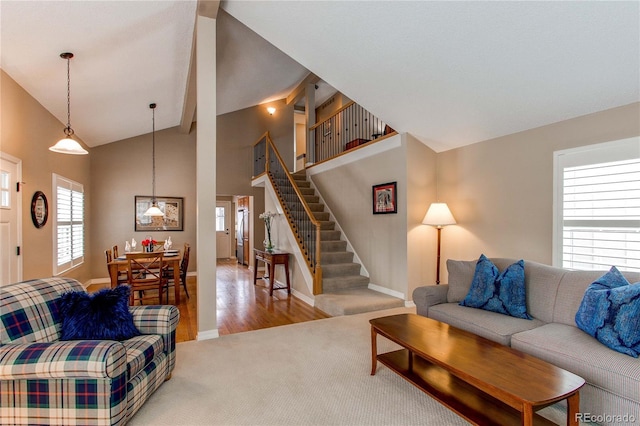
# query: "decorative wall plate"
39,209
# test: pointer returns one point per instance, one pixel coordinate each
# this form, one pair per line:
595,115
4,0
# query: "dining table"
171,259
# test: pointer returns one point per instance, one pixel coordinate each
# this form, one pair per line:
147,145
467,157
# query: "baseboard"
409,304
386,291
207,335
306,299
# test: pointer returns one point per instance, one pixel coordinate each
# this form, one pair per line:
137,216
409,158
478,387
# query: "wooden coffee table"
483,381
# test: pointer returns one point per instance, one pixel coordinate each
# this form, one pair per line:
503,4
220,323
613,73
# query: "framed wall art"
172,207
385,198
39,209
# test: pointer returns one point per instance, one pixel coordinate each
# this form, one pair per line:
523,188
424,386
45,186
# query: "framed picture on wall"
173,218
385,198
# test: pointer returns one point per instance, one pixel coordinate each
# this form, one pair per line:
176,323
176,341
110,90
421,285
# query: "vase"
149,248
268,245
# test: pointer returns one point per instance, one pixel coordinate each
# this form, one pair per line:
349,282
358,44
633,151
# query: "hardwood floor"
241,306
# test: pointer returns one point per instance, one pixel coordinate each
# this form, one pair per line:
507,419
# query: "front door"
223,236
10,214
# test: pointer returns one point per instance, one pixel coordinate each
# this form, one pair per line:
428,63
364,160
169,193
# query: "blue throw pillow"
103,315
493,291
610,312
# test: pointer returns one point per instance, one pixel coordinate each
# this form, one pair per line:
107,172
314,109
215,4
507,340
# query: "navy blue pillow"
493,291
103,315
610,312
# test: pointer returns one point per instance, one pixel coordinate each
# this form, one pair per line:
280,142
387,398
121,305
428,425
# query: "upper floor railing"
299,216
350,127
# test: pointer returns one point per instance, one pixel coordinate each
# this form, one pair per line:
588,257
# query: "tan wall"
393,248
237,133
379,240
121,170
27,131
330,106
500,191
421,192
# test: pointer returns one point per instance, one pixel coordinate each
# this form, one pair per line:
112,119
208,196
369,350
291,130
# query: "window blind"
600,210
69,226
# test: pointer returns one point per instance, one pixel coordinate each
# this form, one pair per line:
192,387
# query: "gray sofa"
611,394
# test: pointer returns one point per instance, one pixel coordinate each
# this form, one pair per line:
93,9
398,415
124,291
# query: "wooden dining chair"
109,257
122,275
115,251
184,266
145,276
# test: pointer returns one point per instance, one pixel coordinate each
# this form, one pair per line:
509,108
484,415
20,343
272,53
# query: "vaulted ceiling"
450,73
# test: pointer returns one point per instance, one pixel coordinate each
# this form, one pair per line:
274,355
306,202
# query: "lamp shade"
153,211
68,146
438,215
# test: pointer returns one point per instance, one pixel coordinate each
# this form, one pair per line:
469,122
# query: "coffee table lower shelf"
462,398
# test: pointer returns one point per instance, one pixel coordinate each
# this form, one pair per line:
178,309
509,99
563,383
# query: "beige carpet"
312,373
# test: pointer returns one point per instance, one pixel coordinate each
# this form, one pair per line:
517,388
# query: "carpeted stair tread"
329,257
307,191
314,207
332,284
345,290
330,235
333,270
327,225
321,215
303,183
355,301
333,246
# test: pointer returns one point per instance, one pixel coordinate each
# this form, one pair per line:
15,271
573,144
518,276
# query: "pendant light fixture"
153,210
67,145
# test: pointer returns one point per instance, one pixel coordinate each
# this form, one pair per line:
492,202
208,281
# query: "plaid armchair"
90,382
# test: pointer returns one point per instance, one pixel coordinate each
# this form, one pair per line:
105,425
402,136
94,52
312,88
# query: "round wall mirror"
39,209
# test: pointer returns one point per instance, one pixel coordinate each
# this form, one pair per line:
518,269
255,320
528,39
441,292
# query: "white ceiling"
455,73
127,55
450,73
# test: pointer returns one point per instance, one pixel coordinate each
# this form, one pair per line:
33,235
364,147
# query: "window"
597,206
68,229
5,194
220,219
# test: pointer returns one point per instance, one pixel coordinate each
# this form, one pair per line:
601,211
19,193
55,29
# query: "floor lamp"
439,216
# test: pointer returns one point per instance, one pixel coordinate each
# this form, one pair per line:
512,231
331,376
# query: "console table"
481,380
271,259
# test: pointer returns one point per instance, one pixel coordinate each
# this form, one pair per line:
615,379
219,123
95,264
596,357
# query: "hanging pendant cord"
68,130
68,94
153,153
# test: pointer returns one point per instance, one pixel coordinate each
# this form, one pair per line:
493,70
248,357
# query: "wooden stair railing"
302,222
349,127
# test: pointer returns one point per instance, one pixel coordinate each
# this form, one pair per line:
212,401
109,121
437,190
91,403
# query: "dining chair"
115,251
145,274
109,257
184,266
122,275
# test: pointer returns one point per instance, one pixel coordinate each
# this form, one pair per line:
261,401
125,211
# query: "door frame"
18,180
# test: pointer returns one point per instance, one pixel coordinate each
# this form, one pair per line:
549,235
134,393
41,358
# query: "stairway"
345,290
